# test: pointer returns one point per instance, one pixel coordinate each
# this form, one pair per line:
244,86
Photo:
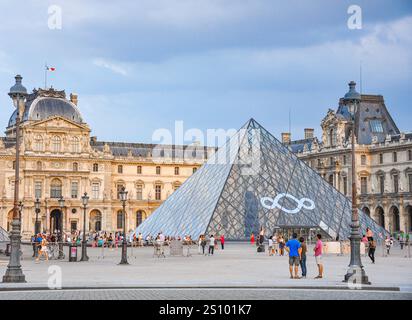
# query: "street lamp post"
85,200
59,231
123,198
37,210
14,272
355,272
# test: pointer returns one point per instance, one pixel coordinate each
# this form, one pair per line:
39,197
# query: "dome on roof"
41,106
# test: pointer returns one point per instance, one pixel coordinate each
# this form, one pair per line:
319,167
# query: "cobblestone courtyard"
238,266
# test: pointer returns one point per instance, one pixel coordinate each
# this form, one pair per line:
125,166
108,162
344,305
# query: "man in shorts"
294,248
318,256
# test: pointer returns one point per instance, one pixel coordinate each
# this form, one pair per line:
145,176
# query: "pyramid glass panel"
261,183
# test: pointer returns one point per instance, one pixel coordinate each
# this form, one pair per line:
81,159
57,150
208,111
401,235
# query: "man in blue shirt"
294,248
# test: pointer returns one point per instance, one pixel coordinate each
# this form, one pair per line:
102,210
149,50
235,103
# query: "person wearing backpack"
372,248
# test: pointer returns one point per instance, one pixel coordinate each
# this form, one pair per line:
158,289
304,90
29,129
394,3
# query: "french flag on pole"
50,68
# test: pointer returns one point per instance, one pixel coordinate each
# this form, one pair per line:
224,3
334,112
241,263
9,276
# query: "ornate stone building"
383,159
59,158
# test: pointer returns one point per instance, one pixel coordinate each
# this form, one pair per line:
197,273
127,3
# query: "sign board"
176,248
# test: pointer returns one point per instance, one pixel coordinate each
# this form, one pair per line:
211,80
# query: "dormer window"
376,126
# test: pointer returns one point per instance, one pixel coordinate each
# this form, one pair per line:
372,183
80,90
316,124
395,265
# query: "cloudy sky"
141,65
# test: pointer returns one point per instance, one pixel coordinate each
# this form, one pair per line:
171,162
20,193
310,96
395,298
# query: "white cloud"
114,67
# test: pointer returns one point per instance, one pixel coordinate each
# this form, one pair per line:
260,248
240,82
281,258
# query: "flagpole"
45,76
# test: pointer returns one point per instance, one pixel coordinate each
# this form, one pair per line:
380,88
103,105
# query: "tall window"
39,166
380,158
381,184
158,170
56,144
139,192
95,167
344,160
95,190
158,192
409,155
75,144
194,170
364,185
395,157
331,161
37,189
363,160
345,185
395,183
376,126
330,179
75,189
176,171
120,219
55,189
75,166
332,138
38,143
119,169
410,182
139,169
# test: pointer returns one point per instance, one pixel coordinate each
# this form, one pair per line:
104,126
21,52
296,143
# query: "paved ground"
238,266
204,294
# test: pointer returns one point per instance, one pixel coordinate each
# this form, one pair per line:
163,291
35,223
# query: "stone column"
403,219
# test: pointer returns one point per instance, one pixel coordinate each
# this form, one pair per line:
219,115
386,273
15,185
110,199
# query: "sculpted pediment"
59,122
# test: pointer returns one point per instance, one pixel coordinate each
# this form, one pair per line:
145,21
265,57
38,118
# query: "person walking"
388,244
252,239
303,256
281,246
222,241
318,256
294,248
372,248
203,244
43,249
369,234
211,245
270,245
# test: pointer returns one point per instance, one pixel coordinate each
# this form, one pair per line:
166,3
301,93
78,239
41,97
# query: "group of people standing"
211,242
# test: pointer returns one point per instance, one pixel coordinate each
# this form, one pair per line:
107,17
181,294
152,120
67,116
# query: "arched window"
38,143
75,166
95,167
56,144
330,180
55,189
75,144
332,137
120,219
158,192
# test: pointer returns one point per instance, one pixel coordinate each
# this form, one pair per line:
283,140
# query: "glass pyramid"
254,181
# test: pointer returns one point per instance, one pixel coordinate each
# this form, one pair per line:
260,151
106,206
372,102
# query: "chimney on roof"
286,137
309,133
73,98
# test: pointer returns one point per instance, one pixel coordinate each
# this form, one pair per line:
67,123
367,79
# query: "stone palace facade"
59,158
383,160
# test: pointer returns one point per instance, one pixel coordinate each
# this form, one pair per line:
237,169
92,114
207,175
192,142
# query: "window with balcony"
139,192
364,185
38,189
56,144
395,183
95,190
74,189
75,144
55,189
158,192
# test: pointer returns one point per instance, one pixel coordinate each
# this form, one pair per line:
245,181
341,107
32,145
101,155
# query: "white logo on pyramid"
275,203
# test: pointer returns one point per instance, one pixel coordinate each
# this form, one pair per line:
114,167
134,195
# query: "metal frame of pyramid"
254,181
